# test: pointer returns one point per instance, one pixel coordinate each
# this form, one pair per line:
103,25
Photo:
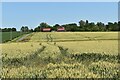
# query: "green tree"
24,29
13,29
71,27
41,26
118,25
0,30
90,27
44,25
82,25
115,27
9,29
101,26
109,26
31,30
55,27
37,29
86,22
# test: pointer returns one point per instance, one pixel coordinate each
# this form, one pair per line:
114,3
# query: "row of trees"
7,29
23,29
83,26
99,26
26,29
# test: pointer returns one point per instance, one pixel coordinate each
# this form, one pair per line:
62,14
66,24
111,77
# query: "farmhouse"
60,29
46,29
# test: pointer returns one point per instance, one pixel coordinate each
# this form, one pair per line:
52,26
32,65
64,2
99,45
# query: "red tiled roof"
46,29
61,28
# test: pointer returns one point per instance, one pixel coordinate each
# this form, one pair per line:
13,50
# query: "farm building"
60,29
46,29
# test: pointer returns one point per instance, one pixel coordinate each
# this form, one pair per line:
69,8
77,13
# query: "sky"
60,0
17,14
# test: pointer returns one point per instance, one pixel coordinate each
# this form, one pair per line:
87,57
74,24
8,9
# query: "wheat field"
62,55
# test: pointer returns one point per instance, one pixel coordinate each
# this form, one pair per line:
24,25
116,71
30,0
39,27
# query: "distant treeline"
8,30
83,26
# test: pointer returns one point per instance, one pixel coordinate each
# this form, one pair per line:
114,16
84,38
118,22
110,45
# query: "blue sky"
16,14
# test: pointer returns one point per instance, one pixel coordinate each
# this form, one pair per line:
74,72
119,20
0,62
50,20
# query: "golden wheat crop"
109,47
75,36
17,50
62,55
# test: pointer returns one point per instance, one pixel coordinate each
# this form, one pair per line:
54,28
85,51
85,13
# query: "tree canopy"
82,26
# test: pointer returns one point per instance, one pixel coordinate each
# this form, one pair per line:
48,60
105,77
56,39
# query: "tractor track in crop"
91,38
49,38
87,38
63,50
23,60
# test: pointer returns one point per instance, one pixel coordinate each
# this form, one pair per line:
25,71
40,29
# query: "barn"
46,29
60,29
